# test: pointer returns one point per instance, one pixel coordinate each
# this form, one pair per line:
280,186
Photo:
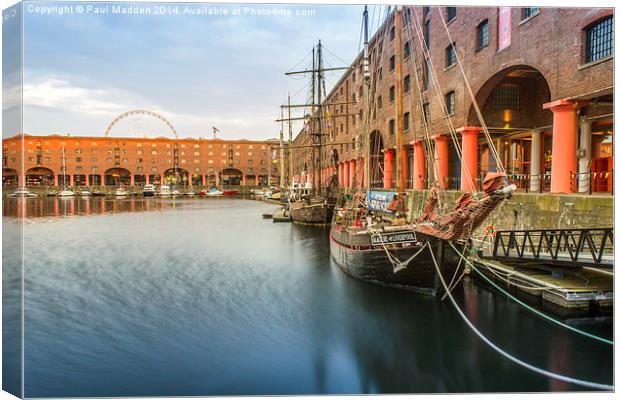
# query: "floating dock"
281,216
575,289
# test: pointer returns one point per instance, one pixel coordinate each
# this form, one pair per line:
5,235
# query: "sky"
197,69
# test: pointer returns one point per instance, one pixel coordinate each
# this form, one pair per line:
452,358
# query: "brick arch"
40,171
9,172
510,75
594,16
117,176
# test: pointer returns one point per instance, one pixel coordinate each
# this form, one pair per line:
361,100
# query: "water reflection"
41,207
204,297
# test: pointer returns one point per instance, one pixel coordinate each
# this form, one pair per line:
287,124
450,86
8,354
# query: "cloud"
11,97
63,96
67,102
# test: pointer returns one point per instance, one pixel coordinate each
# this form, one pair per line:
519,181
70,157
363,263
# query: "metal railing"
561,246
589,182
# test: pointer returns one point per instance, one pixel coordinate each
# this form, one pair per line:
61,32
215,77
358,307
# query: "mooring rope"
397,265
539,313
514,359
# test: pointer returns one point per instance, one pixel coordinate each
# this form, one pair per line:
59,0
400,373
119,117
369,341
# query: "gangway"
562,247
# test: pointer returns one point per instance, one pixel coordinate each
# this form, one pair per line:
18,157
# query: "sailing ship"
317,207
373,237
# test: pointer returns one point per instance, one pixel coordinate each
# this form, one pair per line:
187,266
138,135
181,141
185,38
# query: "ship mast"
401,160
312,122
282,149
366,66
320,116
290,143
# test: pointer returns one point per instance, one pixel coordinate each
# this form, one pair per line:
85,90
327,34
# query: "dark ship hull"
311,212
357,255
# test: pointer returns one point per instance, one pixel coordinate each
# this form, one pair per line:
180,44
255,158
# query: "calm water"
203,297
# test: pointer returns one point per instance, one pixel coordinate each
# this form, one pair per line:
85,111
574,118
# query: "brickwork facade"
541,59
93,160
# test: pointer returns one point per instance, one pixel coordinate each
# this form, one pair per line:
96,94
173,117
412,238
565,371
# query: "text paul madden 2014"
155,9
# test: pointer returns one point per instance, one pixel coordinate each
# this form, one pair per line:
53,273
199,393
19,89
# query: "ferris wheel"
141,123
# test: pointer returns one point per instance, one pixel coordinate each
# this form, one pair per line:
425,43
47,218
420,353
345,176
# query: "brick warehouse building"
542,77
96,161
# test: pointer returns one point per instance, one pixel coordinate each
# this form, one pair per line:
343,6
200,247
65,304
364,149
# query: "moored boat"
375,238
149,190
231,192
164,191
66,193
22,192
121,192
85,193
213,192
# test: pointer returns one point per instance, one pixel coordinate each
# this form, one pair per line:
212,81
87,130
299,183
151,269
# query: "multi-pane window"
451,55
406,50
392,94
406,122
482,37
600,39
392,127
380,102
506,97
527,12
392,63
426,112
407,84
450,13
392,33
450,102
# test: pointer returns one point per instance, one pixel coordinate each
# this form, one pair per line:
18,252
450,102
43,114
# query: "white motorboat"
190,193
149,190
22,192
175,193
214,192
164,191
86,193
66,193
120,192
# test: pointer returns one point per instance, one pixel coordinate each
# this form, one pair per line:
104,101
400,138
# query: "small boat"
258,193
214,192
66,193
120,192
175,193
231,192
52,193
85,193
276,196
22,192
97,193
164,191
190,193
149,190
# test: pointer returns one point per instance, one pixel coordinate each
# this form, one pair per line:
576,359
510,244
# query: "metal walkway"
566,247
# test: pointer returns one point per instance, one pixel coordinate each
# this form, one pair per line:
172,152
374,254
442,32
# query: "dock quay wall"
536,210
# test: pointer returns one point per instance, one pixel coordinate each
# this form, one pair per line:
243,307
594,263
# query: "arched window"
600,39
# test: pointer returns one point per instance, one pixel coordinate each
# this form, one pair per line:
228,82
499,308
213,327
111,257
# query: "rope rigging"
564,378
